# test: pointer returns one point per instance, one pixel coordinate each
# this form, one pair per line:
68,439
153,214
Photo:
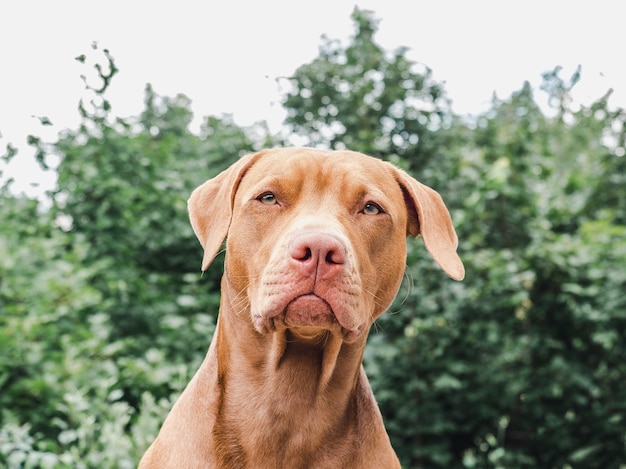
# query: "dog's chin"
311,318
308,335
308,318
309,312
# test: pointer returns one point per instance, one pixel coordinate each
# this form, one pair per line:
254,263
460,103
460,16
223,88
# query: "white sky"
226,55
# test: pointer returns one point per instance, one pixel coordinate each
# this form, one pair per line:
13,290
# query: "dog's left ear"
210,206
429,217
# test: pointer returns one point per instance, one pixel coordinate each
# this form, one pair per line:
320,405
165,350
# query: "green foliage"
366,99
104,315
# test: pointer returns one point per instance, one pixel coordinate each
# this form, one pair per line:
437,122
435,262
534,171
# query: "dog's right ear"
211,204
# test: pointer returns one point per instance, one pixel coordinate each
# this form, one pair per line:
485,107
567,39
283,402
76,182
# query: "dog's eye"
267,198
371,209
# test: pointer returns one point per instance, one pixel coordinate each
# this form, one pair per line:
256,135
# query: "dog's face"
316,240
327,234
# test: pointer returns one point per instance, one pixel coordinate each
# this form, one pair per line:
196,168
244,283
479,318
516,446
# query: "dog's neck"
320,364
316,379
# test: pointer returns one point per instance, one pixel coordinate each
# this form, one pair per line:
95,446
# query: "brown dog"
315,253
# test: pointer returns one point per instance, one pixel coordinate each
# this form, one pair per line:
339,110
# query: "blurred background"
514,111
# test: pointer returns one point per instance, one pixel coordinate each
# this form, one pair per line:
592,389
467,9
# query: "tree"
366,99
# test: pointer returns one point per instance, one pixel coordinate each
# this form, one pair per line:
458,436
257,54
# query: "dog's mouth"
309,311
308,316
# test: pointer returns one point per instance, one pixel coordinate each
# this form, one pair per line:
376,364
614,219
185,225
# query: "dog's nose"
317,254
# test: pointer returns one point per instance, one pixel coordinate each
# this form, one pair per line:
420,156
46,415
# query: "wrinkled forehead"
334,172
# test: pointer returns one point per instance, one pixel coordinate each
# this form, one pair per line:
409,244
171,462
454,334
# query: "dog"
315,253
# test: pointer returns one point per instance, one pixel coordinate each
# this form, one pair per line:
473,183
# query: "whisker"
248,277
374,297
408,283
240,302
411,283
323,340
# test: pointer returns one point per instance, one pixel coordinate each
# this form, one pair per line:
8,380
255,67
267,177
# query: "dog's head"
316,240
